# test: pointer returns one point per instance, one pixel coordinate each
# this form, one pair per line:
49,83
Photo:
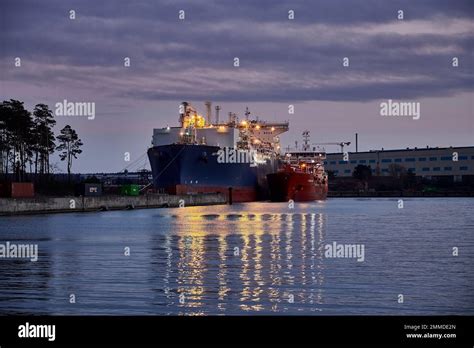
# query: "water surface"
256,258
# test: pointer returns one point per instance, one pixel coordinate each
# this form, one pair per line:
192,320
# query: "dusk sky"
282,62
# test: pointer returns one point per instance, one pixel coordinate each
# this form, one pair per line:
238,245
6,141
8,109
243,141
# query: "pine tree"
16,135
44,136
69,144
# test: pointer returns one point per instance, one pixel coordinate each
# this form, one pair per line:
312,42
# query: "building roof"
405,150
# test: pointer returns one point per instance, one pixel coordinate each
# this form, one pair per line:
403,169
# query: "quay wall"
43,204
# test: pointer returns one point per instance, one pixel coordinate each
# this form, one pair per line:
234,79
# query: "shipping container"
88,190
92,189
22,190
130,190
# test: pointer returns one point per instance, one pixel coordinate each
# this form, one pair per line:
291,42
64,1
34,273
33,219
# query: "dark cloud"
280,59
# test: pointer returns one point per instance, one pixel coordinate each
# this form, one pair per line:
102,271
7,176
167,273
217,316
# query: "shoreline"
72,204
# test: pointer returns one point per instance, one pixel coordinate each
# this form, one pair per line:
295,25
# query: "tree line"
27,140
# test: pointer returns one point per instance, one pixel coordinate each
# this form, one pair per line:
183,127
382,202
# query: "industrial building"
455,162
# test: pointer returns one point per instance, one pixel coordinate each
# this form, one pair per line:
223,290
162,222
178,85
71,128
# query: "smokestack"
357,142
217,113
230,117
184,109
208,111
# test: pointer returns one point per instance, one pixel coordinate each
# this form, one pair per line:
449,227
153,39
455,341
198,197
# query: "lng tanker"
201,155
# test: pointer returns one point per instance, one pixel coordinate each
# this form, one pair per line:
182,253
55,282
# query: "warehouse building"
455,162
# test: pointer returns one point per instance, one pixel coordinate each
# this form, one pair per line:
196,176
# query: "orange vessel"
301,177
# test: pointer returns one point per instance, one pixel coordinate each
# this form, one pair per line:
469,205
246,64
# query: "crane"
341,144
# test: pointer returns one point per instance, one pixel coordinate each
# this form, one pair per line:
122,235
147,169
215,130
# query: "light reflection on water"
239,258
257,258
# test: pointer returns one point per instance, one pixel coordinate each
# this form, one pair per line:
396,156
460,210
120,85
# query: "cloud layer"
280,60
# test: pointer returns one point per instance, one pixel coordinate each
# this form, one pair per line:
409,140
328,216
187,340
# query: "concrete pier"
38,205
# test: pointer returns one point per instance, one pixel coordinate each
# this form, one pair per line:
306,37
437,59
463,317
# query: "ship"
301,176
202,155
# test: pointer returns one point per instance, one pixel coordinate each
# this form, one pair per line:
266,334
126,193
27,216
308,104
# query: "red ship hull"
297,186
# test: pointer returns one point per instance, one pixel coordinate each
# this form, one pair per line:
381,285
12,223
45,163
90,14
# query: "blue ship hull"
186,168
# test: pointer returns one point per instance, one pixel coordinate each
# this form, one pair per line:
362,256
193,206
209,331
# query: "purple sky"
281,62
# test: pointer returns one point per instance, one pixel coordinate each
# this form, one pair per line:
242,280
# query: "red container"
22,190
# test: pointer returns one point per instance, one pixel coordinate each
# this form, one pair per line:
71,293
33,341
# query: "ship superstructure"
202,156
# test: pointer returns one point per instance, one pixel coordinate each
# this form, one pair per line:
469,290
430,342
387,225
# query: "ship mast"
247,113
306,140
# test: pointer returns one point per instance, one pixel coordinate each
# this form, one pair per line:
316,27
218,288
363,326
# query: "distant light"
168,128
257,126
273,129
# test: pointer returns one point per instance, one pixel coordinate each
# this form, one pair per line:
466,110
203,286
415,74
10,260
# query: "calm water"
258,258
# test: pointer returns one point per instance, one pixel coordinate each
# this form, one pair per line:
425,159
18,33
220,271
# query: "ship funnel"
232,117
217,113
183,108
208,112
